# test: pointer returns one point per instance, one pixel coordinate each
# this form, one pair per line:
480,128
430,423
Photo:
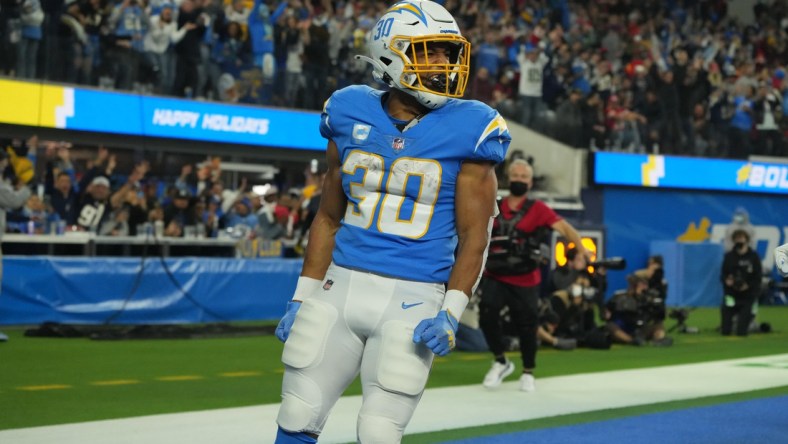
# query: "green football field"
47,381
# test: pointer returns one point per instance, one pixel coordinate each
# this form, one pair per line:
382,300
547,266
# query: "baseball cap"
100,180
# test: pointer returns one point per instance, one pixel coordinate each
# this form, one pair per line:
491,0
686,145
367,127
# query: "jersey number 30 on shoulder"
365,196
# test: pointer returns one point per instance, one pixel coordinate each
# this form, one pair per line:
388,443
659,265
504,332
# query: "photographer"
572,313
655,275
513,275
637,315
741,278
576,266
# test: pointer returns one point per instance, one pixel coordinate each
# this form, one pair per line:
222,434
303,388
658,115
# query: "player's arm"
321,240
333,203
474,207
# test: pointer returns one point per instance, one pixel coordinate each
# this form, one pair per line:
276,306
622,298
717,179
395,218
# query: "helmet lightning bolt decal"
409,7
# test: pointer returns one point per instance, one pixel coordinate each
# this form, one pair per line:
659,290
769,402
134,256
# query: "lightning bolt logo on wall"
706,231
652,171
757,175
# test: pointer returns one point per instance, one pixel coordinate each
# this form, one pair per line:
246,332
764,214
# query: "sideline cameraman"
741,278
576,266
517,286
637,315
573,314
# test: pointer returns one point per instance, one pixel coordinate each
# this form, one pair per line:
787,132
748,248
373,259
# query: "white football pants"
358,321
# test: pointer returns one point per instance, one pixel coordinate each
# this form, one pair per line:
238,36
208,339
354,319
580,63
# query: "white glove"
781,259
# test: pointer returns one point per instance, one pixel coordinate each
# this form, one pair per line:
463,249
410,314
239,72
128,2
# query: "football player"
400,237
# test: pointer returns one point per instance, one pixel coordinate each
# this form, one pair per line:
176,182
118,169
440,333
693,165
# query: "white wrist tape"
455,303
305,287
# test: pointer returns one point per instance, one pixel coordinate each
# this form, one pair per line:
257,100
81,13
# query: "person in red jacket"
518,288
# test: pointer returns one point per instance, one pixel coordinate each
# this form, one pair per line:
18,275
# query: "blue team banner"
239,124
689,173
82,109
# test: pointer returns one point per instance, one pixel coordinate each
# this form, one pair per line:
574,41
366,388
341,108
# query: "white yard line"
440,409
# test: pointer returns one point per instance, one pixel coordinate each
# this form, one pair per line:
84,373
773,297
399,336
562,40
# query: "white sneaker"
497,373
527,383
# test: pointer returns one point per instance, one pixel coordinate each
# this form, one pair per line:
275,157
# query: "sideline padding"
90,290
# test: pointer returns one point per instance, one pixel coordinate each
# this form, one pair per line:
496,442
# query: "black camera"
611,263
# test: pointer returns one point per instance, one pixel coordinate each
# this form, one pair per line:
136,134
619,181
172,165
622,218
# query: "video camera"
611,263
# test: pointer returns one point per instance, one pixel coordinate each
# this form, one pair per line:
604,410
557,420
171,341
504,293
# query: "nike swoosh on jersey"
407,306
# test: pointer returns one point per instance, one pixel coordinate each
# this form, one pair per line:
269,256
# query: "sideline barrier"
90,290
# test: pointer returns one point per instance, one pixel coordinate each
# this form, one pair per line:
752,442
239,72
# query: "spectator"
62,197
31,17
128,22
317,64
532,63
187,50
768,111
241,216
95,209
741,124
482,87
179,213
237,12
569,117
158,43
503,95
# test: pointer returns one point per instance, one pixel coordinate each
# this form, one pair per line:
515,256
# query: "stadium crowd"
674,76
92,194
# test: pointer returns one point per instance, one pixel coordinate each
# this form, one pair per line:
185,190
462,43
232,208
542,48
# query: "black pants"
742,309
523,303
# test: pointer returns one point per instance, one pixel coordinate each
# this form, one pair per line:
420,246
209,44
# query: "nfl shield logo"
398,144
328,284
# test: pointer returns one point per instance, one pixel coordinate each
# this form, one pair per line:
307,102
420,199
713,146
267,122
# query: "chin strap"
378,70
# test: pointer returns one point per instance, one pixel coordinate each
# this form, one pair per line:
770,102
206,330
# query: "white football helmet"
416,25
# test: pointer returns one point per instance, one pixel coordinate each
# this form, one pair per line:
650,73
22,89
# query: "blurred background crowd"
84,189
670,76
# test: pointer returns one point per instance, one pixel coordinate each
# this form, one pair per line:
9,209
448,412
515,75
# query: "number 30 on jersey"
365,196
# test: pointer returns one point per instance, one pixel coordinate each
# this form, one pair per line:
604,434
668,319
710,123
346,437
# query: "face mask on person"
739,245
518,188
576,290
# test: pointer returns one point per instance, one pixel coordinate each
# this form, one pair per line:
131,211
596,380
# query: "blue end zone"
760,420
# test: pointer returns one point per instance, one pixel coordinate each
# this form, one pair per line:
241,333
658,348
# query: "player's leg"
322,356
394,370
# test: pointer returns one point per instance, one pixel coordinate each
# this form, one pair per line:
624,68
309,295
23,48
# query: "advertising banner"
694,173
83,109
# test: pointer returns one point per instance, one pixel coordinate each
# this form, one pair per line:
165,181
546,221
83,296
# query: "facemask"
739,245
576,291
518,188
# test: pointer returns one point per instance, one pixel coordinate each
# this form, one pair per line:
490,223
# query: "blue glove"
286,323
437,333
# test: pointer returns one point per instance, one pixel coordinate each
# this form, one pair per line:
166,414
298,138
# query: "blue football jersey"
401,186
